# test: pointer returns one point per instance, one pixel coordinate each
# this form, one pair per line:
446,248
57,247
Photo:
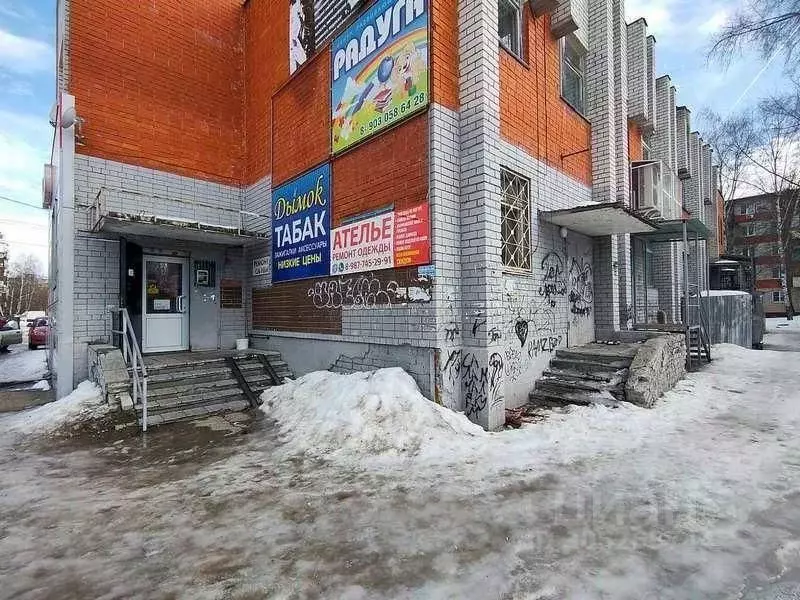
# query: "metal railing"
134,361
189,211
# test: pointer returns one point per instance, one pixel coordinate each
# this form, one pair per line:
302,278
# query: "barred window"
573,69
515,221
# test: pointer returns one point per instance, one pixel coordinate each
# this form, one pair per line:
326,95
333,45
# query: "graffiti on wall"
554,283
581,287
482,385
367,291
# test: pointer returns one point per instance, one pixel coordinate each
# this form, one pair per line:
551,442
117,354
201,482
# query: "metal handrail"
134,360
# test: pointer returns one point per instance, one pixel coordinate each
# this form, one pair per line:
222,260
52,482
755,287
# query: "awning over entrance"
595,220
672,231
175,229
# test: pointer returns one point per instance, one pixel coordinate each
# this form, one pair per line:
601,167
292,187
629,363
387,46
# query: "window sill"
517,272
514,55
575,110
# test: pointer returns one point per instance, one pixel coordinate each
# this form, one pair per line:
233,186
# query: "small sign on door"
161,304
261,266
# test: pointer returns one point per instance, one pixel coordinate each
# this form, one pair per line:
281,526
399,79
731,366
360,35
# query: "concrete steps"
585,375
187,385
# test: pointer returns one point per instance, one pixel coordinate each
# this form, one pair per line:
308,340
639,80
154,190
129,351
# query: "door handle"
181,304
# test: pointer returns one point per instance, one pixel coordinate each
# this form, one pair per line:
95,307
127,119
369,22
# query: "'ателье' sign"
301,225
379,70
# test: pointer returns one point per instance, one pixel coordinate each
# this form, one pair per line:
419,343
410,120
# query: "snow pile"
381,412
713,293
84,404
22,366
43,386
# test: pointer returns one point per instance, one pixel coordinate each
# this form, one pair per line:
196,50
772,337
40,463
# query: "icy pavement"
21,365
698,498
782,335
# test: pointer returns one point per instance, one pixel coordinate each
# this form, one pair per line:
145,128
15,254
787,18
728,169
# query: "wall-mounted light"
68,118
564,233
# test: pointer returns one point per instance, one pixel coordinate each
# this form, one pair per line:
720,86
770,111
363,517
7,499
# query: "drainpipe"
65,314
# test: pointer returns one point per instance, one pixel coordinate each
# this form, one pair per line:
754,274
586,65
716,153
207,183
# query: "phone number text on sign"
363,246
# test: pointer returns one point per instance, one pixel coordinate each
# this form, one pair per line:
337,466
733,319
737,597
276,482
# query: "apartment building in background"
455,188
753,232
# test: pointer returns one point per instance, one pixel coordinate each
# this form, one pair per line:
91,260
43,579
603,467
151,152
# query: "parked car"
10,334
39,333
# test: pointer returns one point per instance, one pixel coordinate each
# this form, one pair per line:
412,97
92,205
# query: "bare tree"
732,139
767,26
773,168
24,287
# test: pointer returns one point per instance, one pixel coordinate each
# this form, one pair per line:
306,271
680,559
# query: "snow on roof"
725,293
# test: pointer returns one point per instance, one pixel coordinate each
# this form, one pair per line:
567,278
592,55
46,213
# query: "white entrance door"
166,304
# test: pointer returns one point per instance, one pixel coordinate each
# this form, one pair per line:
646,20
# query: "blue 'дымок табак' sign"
301,226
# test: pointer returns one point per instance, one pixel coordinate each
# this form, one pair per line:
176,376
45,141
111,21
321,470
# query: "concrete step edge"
175,416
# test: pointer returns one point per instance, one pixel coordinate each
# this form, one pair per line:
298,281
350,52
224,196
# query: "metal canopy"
672,231
596,220
175,230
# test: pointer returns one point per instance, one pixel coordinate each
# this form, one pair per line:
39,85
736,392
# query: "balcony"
655,190
128,212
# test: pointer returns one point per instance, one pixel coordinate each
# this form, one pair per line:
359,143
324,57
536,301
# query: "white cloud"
24,55
714,23
25,142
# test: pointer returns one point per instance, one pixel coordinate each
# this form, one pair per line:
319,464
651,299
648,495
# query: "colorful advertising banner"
301,225
379,70
412,240
394,239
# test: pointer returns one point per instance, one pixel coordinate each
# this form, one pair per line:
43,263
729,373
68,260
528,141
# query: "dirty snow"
42,385
364,413
341,497
21,365
84,404
782,334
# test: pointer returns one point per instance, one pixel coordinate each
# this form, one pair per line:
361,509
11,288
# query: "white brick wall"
683,127
638,82
544,314
571,16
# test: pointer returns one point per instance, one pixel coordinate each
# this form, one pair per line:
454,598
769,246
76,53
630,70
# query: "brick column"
602,112
481,270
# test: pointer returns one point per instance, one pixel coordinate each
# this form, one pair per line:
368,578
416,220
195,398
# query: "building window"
509,26
515,221
778,297
573,70
777,272
746,209
647,153
750,229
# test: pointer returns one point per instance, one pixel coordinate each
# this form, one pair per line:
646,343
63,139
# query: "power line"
7,199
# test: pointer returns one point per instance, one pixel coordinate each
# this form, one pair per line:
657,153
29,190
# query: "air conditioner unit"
646,187
48,185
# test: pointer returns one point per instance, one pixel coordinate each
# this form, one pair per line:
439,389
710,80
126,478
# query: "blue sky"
27,32
27,39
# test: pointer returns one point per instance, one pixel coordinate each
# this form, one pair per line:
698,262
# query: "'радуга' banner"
301,226
379,70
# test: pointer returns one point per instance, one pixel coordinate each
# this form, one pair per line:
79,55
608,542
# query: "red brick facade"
159,84
301,120
533,115
635,147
